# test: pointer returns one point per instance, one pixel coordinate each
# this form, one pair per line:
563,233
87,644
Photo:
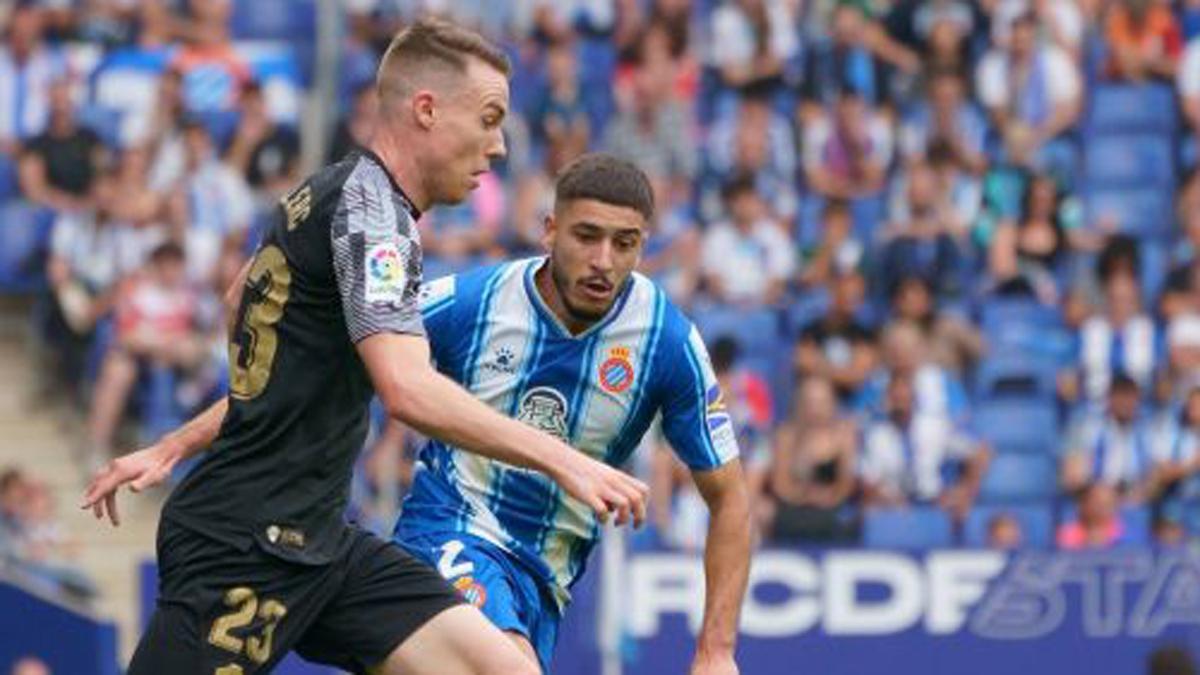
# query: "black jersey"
340,262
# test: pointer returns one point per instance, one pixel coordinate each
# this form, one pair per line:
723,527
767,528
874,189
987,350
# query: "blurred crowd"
943,251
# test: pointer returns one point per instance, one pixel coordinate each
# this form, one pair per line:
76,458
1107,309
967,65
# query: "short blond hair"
434,43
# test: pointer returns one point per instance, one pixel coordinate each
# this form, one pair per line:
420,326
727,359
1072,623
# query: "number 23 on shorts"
246,607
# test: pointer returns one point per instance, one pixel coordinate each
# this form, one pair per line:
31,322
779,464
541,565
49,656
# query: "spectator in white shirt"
211,203
1032,91
747,259
1121,339
1114,447
918,458
28,68
752,40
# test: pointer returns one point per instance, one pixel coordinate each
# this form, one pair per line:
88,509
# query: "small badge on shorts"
472,591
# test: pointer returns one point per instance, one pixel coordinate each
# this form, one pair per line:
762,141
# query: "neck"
402,166
543,282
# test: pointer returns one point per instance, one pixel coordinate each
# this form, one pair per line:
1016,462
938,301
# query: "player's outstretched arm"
416,394
150,466
726,566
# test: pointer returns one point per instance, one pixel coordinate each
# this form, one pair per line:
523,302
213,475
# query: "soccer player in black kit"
255,558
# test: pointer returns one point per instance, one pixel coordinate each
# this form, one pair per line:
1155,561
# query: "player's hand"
142,469
605,489
714,664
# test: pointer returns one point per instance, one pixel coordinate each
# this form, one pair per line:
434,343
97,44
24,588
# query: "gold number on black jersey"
296,205
252,350
245,607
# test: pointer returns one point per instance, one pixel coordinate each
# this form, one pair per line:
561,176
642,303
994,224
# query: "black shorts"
225,611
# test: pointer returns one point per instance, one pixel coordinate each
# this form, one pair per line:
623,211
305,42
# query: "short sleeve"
377,262
437,304
696,420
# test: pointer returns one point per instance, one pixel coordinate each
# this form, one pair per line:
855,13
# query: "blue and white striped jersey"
599,391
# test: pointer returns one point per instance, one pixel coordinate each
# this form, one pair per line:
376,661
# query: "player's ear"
424,109
549,231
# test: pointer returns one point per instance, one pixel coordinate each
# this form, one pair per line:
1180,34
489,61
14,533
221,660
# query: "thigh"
385,596
459,641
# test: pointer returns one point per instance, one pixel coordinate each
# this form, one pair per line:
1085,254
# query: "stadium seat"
9,188
1015,478
1129,160
1014,425
1036,520
293,20
1012,374
1140,212
919,527
756,330
24,236
1135,108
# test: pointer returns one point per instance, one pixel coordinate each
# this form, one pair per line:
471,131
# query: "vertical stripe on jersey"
698,376
631,432
468,372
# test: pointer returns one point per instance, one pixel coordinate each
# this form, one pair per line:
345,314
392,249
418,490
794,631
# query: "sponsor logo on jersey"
715,411
472,591
545,409
503,361
616,372
385,273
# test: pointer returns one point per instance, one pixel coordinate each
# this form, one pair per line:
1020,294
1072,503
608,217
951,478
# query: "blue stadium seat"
1129,160
1140,212
9,187
1004,311
1036,520
1018,425
756,330
1015,478
1132,108
293,20
1013,374
918,527
24,237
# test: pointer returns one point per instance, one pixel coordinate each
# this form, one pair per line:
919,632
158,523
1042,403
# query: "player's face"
594,247
468,133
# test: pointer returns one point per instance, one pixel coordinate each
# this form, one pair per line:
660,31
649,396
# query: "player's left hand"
141,470
714,664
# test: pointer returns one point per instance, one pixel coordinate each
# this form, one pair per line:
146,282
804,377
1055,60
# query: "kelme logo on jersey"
616,372
472,591
503,361
714,410
385,274
545,409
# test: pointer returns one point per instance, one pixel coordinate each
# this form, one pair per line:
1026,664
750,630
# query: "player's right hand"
142,469
605,489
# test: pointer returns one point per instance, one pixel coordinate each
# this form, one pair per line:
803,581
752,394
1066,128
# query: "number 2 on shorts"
446,565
